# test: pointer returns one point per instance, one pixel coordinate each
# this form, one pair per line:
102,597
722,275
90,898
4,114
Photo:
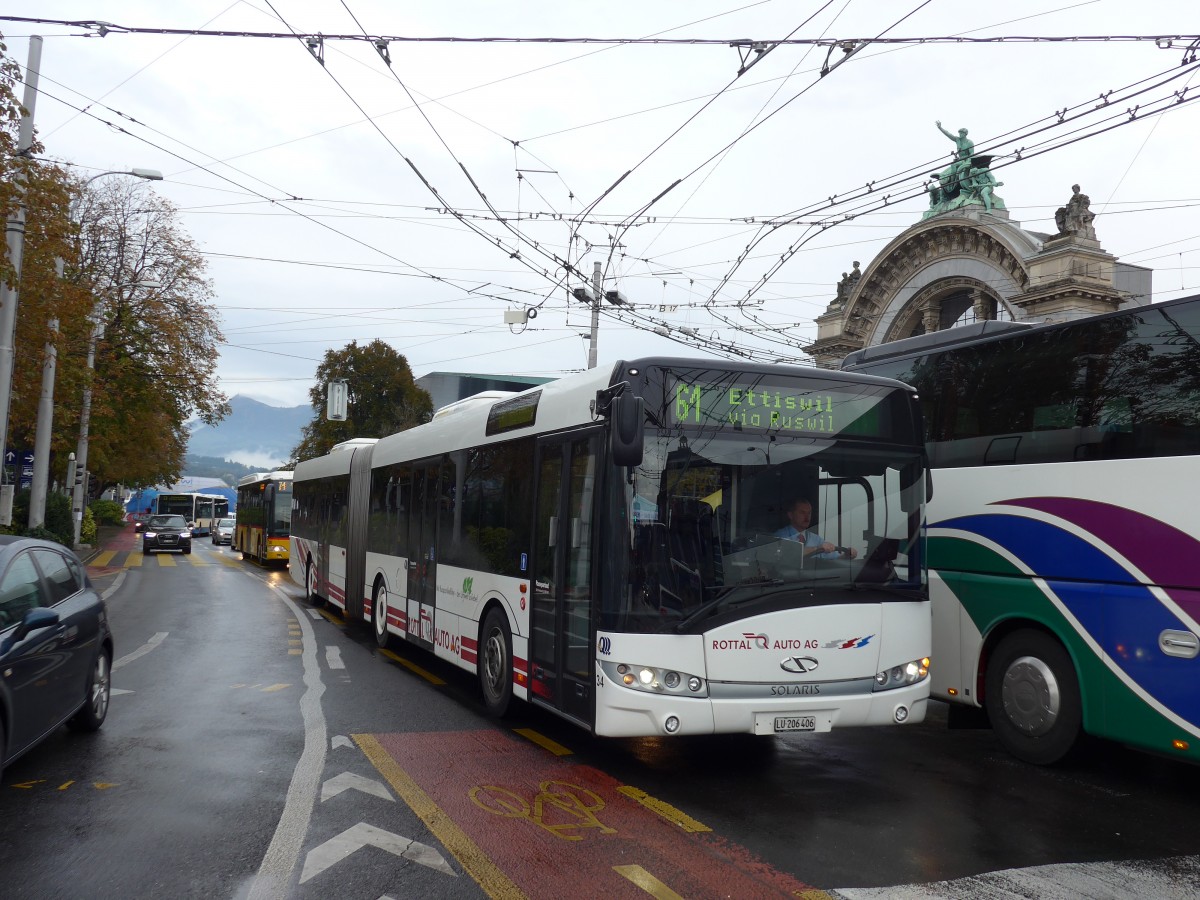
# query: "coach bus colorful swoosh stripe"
1120,615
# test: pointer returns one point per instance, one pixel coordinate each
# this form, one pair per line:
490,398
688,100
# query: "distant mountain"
253,434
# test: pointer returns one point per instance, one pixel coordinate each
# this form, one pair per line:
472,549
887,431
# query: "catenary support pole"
597,280
15,234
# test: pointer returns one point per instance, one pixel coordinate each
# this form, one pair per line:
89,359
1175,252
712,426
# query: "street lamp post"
97,319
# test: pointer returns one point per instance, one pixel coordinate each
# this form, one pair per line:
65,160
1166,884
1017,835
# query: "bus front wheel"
495,662
379,616
1032,697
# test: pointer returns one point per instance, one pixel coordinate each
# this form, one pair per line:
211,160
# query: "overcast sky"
300,182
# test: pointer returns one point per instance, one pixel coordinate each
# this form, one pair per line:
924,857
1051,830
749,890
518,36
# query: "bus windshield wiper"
712,605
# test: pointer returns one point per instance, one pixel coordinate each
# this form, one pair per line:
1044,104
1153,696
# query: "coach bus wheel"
1032,697
495,663
379,615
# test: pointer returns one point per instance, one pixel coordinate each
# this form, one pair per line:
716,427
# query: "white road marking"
1160,879
336,849
314,613
340,740
116,584
141,651
333,657
348,780
275,872
114,692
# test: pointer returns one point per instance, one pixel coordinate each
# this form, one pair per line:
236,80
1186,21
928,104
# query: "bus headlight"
902,675
654,680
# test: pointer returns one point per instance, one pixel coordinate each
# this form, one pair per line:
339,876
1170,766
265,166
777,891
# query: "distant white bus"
201,510
604,546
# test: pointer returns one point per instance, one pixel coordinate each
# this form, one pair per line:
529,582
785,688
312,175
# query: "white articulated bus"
605,546
1064,534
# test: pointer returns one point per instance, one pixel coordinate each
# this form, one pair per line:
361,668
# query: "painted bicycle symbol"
558,807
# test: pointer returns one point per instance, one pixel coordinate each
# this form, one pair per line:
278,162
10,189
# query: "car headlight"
184,534
149,534
902,675
655,679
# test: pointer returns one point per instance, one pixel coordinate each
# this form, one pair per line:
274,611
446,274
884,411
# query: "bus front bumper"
627,713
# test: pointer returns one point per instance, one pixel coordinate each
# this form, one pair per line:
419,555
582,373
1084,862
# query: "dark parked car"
56,649
167,532
222,532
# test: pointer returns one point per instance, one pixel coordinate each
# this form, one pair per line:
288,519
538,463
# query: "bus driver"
799,514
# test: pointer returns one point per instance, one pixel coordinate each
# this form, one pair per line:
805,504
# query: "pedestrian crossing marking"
104,558
168,561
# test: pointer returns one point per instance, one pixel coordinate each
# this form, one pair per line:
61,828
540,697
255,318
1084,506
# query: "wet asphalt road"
260,748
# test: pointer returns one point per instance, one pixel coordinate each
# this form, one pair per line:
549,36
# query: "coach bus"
262,522
1063,537
608,547
202,510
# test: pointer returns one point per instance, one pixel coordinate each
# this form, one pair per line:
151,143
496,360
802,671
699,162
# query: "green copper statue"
967,181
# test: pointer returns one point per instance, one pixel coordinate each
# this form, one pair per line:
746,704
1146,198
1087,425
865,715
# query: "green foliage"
45,534
58,518
58,525
87,528
106,512
383,397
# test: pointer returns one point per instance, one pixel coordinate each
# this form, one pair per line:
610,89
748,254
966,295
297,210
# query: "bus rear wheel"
379,617
495,662
1032,697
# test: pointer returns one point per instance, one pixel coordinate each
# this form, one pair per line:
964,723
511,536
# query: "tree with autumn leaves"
383,397
128,262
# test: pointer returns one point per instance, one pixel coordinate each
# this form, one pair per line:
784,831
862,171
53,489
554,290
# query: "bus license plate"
795,723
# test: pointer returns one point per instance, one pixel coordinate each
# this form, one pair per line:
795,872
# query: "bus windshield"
726,518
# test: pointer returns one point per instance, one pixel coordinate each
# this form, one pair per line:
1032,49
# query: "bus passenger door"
422,562
561,657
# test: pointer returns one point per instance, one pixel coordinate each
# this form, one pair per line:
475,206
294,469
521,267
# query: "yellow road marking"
167,561
814,894
133,559
473,860
542,741
647,882
104,558
664,809
412,667
27,785
331,617
196,560
295,643
275,687
104,785
295,652
63,787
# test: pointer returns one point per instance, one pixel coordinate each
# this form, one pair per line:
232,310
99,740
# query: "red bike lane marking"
553,826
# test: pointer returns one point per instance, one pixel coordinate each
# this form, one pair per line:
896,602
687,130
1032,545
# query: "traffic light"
79,473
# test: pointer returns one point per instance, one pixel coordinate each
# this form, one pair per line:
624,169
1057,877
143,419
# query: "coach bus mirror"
553,532
627,430
928,485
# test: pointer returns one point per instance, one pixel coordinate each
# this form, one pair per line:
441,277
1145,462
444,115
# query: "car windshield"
225,523
168,522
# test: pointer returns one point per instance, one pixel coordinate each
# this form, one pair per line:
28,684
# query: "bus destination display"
773,407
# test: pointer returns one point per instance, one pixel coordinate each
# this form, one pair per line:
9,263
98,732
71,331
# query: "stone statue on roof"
1076,217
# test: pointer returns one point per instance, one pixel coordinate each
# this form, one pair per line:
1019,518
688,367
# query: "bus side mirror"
627,429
